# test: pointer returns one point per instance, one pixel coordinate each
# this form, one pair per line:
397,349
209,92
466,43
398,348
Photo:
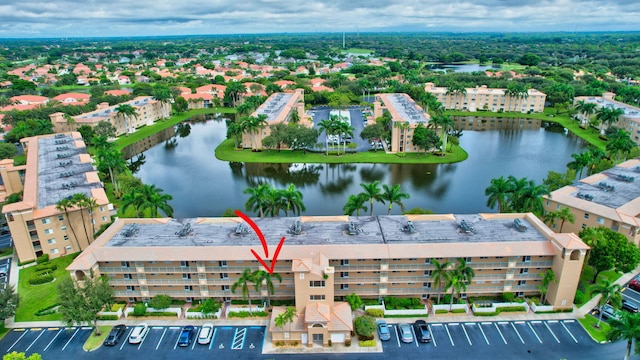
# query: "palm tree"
563,214
498,193
355,203
372,192
90,204
258,198
344,129
80,200
440,274
627,327
329,128
127,111
263,278
294,117
163,95
393,194
547,278
458,91
608,116
580,161
64,205
131,199
403,126
111,160
243,282
286,317
153,199
532,198
446,125
587,109
609,292
292,199
459,278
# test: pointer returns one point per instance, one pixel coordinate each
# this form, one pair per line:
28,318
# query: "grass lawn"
587,276
146,131
95,341
225,151
35,297
589,323
358,51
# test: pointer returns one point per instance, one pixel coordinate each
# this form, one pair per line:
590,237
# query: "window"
184,263
584,226
51,241
467,259
344,274
66,237
524,271
426,285
548,202
427,261
104,218
186,276
131,288
124,264
188,288
222,263
427,273
101,208
301,276
316,283
316,297
63,228
46,221
127,276
586,215
344,262
522,282
344,286
225,287
48,231
224,276
60,217
526,258
558,206
68,247
600,220
54,251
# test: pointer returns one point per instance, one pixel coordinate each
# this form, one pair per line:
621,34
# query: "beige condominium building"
58,167
629,121
488,99
326,258
147,108
610,198
405,117
277,108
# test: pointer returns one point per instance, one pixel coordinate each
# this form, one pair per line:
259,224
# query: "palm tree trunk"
66,214
84,225
371,203
249,300
451,303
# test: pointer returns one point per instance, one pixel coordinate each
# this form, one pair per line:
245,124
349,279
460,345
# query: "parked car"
4,270
138,334
629,306
404,330
422,331
607,311
205,334
634,284
383,330
186,336
115,334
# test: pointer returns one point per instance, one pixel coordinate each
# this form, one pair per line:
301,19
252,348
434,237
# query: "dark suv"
114,335
422,331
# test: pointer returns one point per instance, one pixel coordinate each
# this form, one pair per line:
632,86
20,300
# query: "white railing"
446,307
382,307
495,306
199,315
541,308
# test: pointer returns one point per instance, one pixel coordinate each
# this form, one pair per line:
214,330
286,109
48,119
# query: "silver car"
404,331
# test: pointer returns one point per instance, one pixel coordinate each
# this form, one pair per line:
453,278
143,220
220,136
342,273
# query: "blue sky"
80,18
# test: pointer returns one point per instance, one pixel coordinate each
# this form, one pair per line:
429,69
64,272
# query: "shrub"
330,342
446,299
486,313
365,327
370,302
50,267
442,311
580,298
160,302
354,301
368,343
210,306
375,312
347,343
41,279
245,314
508,297
178,302
116,307
108,317
160,313
290,302
458,311
51,309
140,309
511,309
394,303
279,343
42,259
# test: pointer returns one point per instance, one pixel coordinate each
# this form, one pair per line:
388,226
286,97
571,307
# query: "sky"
88,18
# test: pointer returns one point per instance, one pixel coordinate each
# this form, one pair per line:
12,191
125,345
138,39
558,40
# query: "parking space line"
569,321
554,335
213,338
415,338
483,334
397,337
238,339
516,330
446,327
552,321
143,339
177,339
157,327
34,341
20,338
52,340
465,334
500,332
534,333
570,334
196,339
72,336
433,338
127,339
161,337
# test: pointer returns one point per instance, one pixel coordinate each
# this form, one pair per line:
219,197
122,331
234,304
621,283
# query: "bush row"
51,309
368,343
159,313
375,312
108,317
245,314
394,303
41,279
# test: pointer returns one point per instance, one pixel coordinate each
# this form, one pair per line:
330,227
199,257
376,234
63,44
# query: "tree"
440,274
160,302
547,278
563,215
329,128
111,160
162,94
355,302
127,111
263,278
555,180
64,205
600,260
372,133
372,192
285,317
21,356
625,327
459,278
292,200
609,292
9,301
7,150
81,201
608,116
153,199
446,125
80,303
619,144
498,193
104,128
529,59
180,105
402,126
209,306
243,282
131,200
393,195
425,138
355,203
257,198
587,109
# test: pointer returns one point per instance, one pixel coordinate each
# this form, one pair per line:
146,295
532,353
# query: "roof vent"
519,225
606,187
585,196
296,228
242,229
59,136
185,231
625,178
354,229
409,228
466,227
132,230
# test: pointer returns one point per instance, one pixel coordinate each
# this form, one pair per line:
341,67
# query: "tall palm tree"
402,126
459,279
111,161
609,292
292,199
563,215
608,116
91,204
243,282
446,125
440,274
127,111
393,194
163,95
264,278
372,192
580,161
257,198
286,317
355,203
458,91
532,198
131,199
153,199
80,200
344,129
547,278
626,327
329,128
587,109
64,205
261,121
498,193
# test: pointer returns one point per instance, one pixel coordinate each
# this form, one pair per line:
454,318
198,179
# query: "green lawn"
225,151
587,276
358,51
35,297
589,322
95,341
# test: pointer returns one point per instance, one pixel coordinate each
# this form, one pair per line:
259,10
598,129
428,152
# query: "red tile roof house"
72,98
5,84
199,100
117,92
30,100
81,69
213,89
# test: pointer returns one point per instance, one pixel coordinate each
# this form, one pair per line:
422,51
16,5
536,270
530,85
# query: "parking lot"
161,342
492,337
4,276
631,295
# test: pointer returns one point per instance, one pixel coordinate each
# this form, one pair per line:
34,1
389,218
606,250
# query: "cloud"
67,18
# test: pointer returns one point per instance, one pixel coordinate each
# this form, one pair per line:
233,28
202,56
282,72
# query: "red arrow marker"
255,228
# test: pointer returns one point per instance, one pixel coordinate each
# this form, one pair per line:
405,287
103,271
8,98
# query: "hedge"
159,313
368,343
47,310
394,303
108,317
245,314
51,267
442,311
458,311
42,279
42,259
375,312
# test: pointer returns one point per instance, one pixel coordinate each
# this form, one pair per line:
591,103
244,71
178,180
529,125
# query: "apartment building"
148,109
405,117
373,257
482,123
629,121
488,99
277,108
58,167
610,198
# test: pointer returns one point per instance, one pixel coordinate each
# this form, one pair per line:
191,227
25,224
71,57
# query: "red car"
634,284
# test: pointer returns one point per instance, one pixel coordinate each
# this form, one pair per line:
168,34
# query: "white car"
205,334
138,333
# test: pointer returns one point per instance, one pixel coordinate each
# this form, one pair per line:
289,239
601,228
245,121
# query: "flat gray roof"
629,111
274,105
104,113
60,172
369,230
406,108
618,187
